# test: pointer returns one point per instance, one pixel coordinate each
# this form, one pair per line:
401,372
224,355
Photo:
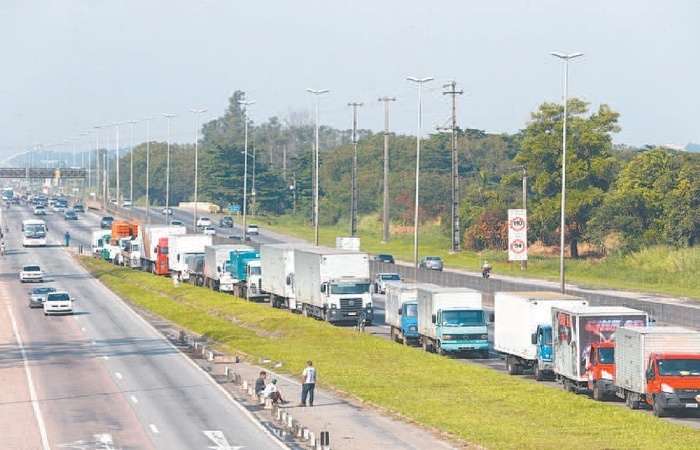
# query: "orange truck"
601,370
659,366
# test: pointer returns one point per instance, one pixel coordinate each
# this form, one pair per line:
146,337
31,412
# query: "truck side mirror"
650,374
323,288
289,280
218,269
492,317
434,318
533,338
399,311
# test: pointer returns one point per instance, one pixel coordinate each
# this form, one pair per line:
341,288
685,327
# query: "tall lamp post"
420,82
566,57
317,93
148,157
97,154
245,104
131,153
167,172
116,127
196,112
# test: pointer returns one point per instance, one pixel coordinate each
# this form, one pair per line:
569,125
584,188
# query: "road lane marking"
93,342
32,392
83,328
118,375
134,399
105,357
153,428
218,438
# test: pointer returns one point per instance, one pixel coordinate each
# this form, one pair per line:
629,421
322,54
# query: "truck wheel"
512,367
539,375
439,350
631,400
659,410
597,394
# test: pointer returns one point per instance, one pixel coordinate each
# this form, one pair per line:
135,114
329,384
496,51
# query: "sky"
69,65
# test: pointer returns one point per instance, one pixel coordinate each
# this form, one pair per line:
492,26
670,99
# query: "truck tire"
659,410
438,349
597,394
631,400
539,375
511,365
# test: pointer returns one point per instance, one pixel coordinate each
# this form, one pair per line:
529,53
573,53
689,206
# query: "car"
252,229
31,273
39,210
59,206
177,223
113,201
168,211
38,295
70,215
431,263
14,201
79,208
106,222
383,279
58,303
203,222
226,222
209,230
385,258
126,203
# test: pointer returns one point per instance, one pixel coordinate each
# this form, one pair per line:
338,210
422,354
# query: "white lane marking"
118,375
134,399
219,439
93,342
153,428
83,328
105,357
30,382
101,441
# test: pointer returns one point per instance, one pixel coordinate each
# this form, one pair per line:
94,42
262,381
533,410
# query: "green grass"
469,402
661,270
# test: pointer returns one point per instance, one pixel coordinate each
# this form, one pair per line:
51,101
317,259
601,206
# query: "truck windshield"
679,367
547,335
350,288
255,270
606,355
462,318
412,310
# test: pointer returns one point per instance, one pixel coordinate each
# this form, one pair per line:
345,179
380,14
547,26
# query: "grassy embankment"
469,402
661,270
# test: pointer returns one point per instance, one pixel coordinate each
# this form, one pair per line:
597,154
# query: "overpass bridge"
40,172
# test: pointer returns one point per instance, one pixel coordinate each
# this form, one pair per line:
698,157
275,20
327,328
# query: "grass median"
469,402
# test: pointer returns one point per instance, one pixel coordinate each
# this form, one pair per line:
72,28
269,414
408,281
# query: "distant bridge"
35,172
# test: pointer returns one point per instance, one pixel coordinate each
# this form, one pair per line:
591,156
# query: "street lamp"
420,82
148,157
566,57
196,112
131,176
97,154
167,172
245,104
317,93
116,127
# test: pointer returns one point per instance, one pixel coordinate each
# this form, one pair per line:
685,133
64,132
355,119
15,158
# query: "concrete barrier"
244,385
183,337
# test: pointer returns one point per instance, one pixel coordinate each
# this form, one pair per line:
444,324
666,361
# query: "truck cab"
542,339
409,322
600,364
673,382
346,299
461,330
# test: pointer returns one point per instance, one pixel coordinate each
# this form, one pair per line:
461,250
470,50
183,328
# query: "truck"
574,330
216,266
246,274
154,257
523,329
277,263
183,253
401,313
659,366
130,254
99,239
333,284
452,320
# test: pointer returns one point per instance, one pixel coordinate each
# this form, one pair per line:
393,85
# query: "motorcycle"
486,272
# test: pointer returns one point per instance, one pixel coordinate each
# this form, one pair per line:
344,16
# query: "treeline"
618,199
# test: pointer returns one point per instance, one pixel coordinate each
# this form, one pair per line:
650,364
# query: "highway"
103,377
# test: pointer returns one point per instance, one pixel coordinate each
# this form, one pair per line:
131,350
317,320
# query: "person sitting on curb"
272,392
260,383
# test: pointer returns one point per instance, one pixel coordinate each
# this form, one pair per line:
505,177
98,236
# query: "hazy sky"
70,64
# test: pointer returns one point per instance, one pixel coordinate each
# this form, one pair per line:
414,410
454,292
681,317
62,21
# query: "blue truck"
246,274
401,312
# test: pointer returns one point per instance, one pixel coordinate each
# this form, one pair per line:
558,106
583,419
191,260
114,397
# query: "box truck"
523,329
217,275
277,263
155,249
333,284
401,313
452,320
184,251
246,274
659,366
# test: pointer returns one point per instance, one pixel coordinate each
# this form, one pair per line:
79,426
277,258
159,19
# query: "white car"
31,273
203,222
58,303
39,210
126,203
252,229
168,211
210,230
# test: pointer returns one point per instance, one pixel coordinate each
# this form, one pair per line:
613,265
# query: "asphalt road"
103,377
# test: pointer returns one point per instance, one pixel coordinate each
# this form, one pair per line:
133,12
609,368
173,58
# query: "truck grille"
465,337
351,304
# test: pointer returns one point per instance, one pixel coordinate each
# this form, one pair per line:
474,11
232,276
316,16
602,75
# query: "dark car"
79,208
106,222
226,222
431,263
385,258
70,215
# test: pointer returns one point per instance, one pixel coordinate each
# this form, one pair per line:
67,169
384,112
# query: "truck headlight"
333,306
667,389
447,337
413,328
484,337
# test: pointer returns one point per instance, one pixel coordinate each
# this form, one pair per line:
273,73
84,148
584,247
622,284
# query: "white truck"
216,271
452,320
100,238
401,312
523,329
155,249
659,366
277,267
183,251
575,330
333,284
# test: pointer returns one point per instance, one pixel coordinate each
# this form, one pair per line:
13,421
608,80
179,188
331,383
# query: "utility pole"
353,206
452,86
523,263
386,100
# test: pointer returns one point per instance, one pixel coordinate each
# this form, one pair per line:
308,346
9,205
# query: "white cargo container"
333,284
216,273
277,267
573,332
182,248
401,312
523,328
659,366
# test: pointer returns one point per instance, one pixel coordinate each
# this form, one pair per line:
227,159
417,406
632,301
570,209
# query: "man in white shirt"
272,392
308,384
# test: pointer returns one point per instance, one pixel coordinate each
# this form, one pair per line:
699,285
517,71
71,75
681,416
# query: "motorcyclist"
486,269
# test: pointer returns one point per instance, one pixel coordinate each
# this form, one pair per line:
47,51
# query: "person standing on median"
308,384
67,239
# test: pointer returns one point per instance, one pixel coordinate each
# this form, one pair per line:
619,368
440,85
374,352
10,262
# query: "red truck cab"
600,367
162,267
673,382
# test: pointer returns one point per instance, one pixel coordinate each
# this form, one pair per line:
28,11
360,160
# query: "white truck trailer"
573,332
182,251
333,284
277,267
154,254
659,366
216,271
452,320
523,329
401,312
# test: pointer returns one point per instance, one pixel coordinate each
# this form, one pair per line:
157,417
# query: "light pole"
317,93
105,165
245,104
196,112
148,157
167,172
97,154
566,57
116,127
131,176
420,82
